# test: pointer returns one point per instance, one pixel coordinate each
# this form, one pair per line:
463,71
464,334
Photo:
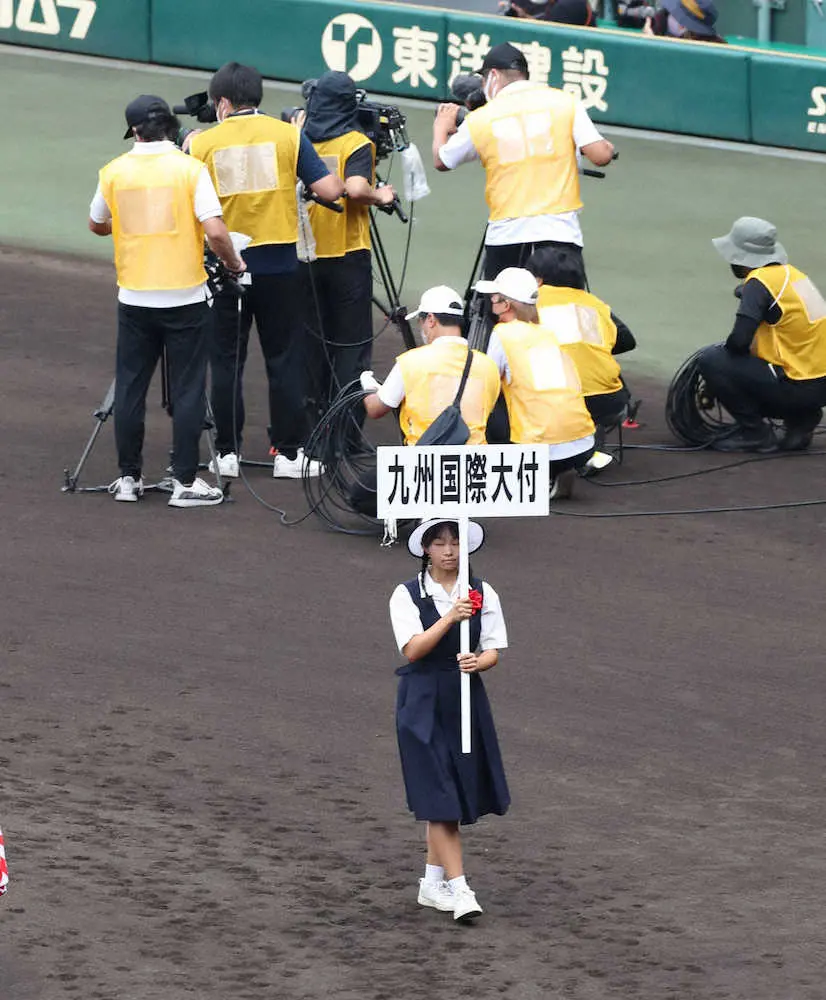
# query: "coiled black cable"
348,457
692,412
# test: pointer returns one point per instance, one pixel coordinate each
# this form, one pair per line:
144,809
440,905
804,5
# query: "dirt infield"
200,789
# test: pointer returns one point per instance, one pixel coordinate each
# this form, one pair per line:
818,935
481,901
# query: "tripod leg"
101,414
209,428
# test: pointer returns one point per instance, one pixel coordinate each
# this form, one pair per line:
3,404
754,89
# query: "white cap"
513,283
439,299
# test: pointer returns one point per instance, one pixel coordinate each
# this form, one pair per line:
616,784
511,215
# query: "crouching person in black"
773,364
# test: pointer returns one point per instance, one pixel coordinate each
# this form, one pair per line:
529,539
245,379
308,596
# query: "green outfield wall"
723,92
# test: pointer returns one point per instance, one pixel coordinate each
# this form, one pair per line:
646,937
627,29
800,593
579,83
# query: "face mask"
488,87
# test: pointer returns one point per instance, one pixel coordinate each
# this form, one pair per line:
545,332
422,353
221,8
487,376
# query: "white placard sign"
509,480
461,482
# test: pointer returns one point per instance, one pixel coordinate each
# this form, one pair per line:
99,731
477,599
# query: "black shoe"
795,439
760,439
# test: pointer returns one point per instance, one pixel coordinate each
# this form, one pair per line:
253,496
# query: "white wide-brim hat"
475,533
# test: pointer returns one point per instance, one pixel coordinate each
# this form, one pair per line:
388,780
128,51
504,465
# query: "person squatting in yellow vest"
255,162
424,380
526,136
158,204
773,364
540,383
338,284
587,330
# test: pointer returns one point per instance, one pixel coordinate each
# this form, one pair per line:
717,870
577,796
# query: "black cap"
505,56
144,109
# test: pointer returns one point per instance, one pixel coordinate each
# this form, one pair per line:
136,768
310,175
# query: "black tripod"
104,411
392,309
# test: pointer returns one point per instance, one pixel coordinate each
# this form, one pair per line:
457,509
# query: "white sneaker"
199,494
465,906
599,460
227,465
437,895
126,488
296,468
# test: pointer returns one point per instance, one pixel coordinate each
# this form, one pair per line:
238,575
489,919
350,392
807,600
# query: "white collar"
518,85
148,148
430,586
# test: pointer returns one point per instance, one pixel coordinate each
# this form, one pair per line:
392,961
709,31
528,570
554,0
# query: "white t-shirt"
207,206
556,452
406,621
564,227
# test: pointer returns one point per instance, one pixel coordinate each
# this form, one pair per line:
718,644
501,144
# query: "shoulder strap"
465,373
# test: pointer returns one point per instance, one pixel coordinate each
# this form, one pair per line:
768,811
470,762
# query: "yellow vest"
525,140
159,242
583,326
252,160
335,235
544,398
798,342
431,377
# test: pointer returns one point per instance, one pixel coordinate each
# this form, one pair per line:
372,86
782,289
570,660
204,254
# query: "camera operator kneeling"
773,364
424,380
587,330
339,284
157,204
540,384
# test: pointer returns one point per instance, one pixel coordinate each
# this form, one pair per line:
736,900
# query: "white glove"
368,382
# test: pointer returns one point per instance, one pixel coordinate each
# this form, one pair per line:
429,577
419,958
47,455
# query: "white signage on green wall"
40,17
351,44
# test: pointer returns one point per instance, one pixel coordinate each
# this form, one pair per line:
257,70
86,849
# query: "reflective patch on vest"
811,298
146,211
442,392
246,169
547,368
572,324
519,137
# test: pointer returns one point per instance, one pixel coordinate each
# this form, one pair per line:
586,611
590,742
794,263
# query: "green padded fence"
622,78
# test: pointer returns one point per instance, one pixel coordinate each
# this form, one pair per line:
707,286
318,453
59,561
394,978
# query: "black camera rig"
385,125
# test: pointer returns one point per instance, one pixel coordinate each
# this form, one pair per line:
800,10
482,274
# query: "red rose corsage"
475,599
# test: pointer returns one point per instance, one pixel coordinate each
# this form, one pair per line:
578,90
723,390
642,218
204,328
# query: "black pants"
143,335
751,389
338,297
273,301
517,254
606,408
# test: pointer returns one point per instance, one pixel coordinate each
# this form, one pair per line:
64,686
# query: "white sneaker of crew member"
465,904
437,895
199,494
296,468
598,461
127,488
228,465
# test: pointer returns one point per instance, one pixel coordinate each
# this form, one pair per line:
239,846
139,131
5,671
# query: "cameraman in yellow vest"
255,162
339,283
773,364
158,204
587,330
424,380
540,383
526,136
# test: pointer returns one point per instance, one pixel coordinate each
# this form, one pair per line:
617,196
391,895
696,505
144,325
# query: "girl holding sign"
444,786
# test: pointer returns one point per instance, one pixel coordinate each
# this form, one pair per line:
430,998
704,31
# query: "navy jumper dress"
443,784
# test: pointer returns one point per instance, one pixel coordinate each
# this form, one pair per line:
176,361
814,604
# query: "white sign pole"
464,630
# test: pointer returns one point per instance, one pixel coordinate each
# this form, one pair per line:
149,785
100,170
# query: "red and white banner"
4,871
